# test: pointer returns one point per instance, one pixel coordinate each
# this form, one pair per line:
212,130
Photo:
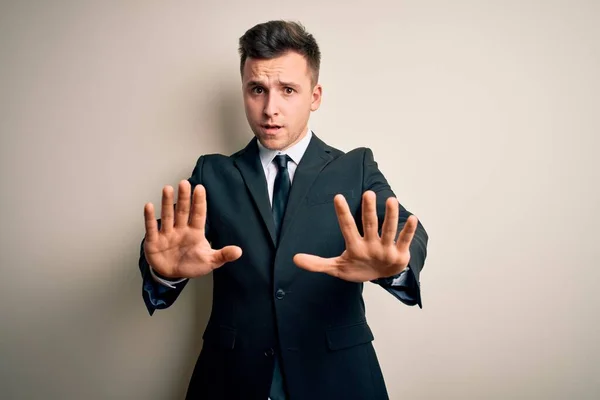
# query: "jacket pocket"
220,335
342,337
320,198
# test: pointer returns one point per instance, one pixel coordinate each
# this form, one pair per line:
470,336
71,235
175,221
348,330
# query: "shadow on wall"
234,133
232,124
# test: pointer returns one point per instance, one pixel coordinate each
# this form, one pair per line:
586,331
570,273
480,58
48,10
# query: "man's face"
278,98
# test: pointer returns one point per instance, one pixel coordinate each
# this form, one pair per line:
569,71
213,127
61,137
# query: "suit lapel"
316,157
254,177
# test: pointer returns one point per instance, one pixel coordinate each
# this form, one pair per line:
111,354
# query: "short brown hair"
274,38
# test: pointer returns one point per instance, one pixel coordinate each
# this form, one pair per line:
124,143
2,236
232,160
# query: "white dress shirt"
295,153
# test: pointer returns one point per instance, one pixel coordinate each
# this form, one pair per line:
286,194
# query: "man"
290,228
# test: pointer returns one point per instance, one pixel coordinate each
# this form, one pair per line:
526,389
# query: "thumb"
314,263
228,254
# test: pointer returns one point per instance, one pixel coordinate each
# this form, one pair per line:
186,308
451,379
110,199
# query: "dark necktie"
281,191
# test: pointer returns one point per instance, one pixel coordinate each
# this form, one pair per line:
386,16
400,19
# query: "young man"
290,228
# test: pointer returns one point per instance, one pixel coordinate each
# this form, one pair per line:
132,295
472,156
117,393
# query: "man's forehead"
289,67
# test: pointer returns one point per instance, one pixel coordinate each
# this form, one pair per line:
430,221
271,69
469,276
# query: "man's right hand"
180,248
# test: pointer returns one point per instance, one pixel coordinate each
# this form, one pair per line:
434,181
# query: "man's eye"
289,90
257,90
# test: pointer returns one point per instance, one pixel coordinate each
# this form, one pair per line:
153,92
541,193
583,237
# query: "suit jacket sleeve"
156,295
405,286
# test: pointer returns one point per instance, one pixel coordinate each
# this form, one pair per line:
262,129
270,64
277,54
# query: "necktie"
281,191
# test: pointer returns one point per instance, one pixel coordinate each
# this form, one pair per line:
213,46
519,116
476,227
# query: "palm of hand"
180,249
370,256
182,252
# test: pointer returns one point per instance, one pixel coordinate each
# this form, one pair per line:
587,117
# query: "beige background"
483,116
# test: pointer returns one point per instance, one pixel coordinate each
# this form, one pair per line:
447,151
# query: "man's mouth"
271,128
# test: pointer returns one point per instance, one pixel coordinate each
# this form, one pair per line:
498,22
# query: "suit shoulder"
215,158
238,153
359,153
219,160
336,153
209,162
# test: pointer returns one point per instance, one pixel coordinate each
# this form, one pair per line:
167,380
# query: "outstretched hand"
370,256
180,248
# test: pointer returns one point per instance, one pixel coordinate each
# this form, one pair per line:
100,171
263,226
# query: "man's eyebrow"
254,83
290,84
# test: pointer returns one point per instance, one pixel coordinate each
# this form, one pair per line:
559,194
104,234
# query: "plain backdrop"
483,116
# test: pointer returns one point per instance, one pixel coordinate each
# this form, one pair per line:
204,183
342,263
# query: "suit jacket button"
280,294
269,352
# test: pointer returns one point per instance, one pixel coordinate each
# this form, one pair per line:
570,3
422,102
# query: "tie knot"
281,161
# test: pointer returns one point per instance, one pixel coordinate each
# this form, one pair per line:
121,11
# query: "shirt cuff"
401,279
165,282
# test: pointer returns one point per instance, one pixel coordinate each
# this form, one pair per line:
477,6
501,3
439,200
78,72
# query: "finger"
390,222
226,254
369,215
198,217
346,220
407,234
314,263
166,212
150,221
182,208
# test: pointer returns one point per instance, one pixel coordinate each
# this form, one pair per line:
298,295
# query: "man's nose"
271,105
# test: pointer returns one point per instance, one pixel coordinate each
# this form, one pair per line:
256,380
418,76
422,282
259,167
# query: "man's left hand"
367,257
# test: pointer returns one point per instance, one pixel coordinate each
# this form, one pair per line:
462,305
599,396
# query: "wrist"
395,275
164,280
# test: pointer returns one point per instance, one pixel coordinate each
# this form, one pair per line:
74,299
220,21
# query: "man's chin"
271,142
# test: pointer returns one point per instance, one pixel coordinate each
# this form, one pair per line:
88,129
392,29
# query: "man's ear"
317,93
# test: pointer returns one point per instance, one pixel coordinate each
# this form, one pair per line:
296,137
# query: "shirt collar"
295,152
